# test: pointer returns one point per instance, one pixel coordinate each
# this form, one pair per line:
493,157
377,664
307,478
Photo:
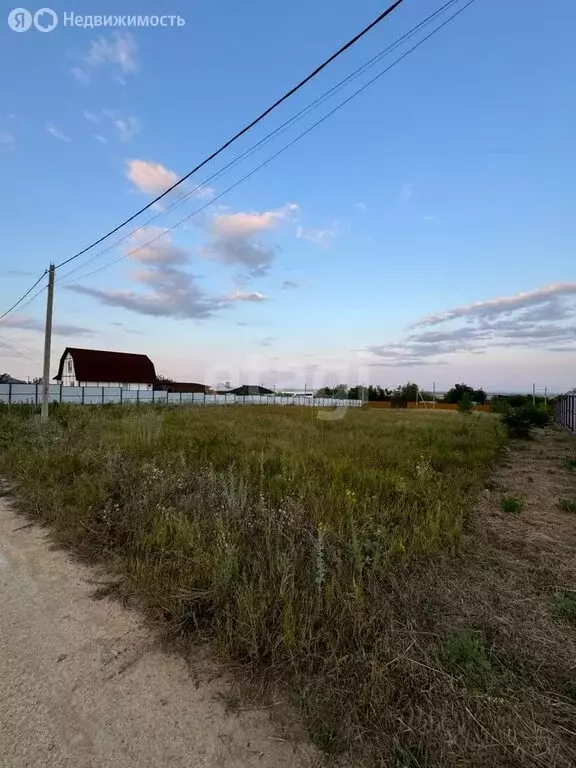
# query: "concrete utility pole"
47,346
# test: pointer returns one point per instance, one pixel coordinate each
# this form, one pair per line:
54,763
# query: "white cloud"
321,237
169,290
57,133
361,206
255,296
542,319
31,324
7,141
116,53
151,178
127,126
504,304
100,138
288,285
154,178
406,193
233,238
430,218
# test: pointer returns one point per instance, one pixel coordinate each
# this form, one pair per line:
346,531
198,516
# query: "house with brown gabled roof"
102,368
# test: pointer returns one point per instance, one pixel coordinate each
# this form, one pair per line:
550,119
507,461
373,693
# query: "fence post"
152,395
36,395
137,397
167,393
83,388
102,395
121,396
60,393
181,397
9,394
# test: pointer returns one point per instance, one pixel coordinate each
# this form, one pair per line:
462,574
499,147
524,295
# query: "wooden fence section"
565,411
428,406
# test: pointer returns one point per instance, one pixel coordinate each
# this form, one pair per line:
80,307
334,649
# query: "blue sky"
426,231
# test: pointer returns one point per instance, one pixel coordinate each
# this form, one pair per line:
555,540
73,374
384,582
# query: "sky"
425,231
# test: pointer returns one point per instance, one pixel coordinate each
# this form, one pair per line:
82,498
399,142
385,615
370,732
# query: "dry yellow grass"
331,555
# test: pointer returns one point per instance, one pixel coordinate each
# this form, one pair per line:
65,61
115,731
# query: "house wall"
112,384
68,374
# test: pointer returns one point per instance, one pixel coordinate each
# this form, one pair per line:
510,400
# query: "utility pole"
533,394
433,394
47,346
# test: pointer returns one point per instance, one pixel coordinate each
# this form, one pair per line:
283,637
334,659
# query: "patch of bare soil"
85,684
515,586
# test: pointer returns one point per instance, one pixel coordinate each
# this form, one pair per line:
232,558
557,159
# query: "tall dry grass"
286,538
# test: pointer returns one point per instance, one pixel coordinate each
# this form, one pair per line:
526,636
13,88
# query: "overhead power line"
282,149
276,132
21,299
244,130
286,124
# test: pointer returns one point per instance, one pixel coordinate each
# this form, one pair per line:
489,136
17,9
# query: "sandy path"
83,683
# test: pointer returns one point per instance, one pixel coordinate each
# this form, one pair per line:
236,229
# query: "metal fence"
32,395
565,411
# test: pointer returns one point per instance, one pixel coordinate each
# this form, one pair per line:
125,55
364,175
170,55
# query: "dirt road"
84,684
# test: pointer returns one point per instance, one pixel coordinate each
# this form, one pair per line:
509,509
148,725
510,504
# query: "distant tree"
164,379
37,380
480,397
459,391
401,396
378,394
355,393
324,392
409,392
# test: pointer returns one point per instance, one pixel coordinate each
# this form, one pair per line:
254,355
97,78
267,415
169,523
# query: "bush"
521,421
465,404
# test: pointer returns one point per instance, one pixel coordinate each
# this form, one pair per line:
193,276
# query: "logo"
45,20
20,20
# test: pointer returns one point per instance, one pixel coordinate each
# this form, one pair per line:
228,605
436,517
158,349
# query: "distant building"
5,378
98,368
250,389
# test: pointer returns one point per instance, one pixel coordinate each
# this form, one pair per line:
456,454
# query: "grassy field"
302,546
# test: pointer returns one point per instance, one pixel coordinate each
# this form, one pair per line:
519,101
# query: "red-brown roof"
101,366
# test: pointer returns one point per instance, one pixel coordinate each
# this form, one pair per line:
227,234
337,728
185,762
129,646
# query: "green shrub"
512,505
465,404
568,505
521,421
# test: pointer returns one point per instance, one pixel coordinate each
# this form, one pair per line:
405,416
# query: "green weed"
464,655
565,605
511,505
